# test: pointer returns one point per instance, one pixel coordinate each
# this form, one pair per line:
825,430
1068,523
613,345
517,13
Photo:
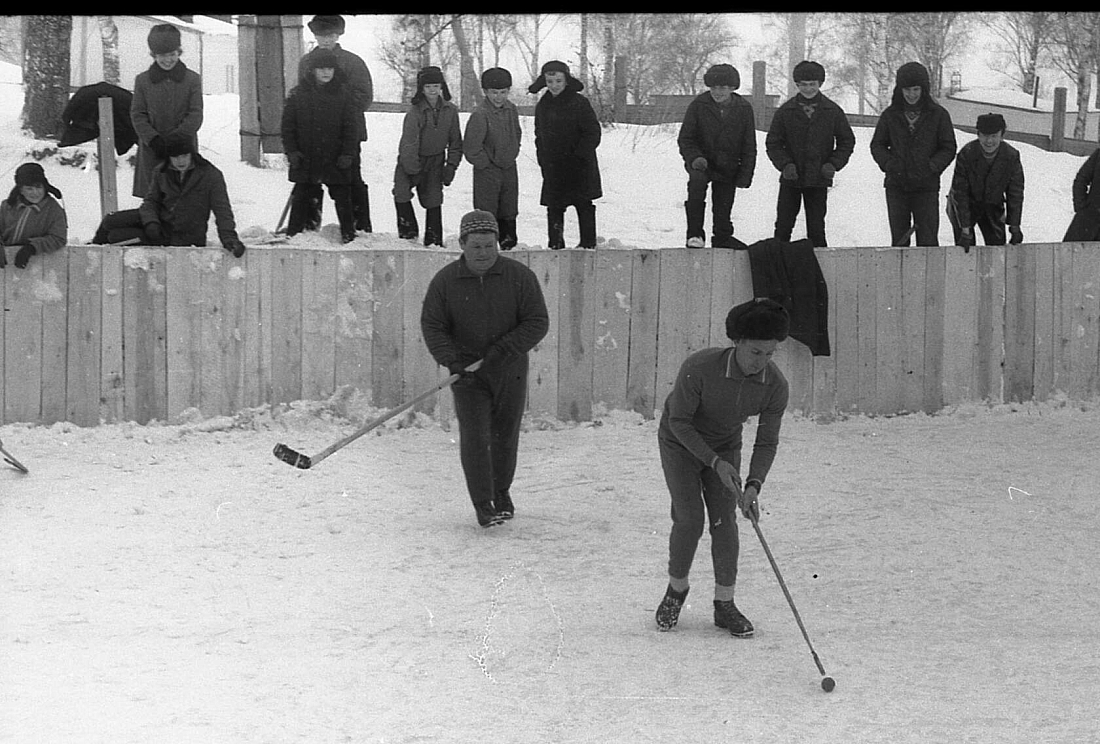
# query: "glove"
1016,233
790,172
457,368
25,252
345,161
729,477
967,238
828,170
448,174
296,160
234,246
494,357
699,164
159,147
154,233
749,501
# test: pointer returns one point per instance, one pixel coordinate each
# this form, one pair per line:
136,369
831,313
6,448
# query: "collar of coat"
733,369
176,74
496,268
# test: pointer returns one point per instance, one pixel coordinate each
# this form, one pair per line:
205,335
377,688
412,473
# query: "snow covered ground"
178,584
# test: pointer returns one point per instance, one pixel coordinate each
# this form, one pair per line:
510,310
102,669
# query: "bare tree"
469,84
531,30
685,44
819,42
108,34
1025,38
499,29
1075,52
46,72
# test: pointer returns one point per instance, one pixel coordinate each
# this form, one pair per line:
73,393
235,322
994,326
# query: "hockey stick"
282,217
827,683
9,458
305,462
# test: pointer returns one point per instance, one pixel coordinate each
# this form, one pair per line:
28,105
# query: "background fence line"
98,334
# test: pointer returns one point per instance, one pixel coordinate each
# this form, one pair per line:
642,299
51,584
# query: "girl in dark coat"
320,130
913,143
988,177
567,134
1086,202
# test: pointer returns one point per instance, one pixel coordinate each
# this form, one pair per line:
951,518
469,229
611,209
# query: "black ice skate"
487,515
504,506
726,615
668,612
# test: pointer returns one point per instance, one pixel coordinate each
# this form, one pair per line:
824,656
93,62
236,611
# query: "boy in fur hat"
567,134
913,143
718,144
699,438
491,144
428,155
988,177
31,218
167,100
327,30
808,141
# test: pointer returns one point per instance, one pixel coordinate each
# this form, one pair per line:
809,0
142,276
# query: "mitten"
159,147
234,246
154,233
448,174
790,172
296,159
457,368
24,255
699,164
1016,233
345,161
828,170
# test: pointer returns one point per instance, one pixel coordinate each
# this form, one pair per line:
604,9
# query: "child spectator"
491,144
913,143
327,30
809,140
31,218
167,100
184,190
567,134
718,144
1086,202
428,155
320,129
988,176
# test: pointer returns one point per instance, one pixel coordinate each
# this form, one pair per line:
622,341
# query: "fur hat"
722,75
322,58
428,76
808,70
760,319
477,221
555,65
31,174
178,143
912,74
164,38
496,78
991,124
323,25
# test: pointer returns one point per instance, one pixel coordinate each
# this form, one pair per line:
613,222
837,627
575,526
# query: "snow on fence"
98,334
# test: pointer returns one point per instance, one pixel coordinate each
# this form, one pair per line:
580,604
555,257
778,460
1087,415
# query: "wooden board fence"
97,334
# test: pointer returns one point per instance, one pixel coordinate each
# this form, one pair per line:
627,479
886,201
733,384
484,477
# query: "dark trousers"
903,208
489,408
791,198
721,194
987,217
698,493
305,207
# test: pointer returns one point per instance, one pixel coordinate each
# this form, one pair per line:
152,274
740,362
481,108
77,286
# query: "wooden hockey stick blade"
292,457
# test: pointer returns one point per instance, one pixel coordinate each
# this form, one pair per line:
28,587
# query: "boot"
555,228
726,615
345,211
695,211
503,504
361,203
507,228
668,612
433,226
407,226
487,515
586,222
304,210
315,201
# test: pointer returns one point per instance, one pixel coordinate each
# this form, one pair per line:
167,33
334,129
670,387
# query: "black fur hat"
760,319
31,174
808,70
427,76
496,78
178,143
991,123
722,75
164,38
555,65
323,25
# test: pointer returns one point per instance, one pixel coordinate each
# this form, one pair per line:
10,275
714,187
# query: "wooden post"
1058,120
108,183
269,49
620,87
759,85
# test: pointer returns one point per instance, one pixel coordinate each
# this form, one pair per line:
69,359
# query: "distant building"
209,48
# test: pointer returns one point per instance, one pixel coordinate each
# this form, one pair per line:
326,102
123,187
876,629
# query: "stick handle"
389,414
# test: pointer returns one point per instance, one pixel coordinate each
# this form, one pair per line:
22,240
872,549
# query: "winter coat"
493,136
979,184
464,314
567,134
164,103
322,123
725,136
810,142
358,78
913,161
428,132
182,202
81,116
44,225
1086,184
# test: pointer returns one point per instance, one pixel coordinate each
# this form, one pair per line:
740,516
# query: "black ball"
827,684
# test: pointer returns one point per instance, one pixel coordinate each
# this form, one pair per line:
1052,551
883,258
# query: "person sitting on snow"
31,218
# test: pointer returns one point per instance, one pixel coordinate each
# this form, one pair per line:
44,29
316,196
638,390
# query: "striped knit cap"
477,221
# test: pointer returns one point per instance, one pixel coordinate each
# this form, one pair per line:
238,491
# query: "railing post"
1058,120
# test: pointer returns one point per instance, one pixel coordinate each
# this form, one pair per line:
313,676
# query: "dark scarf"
176,74
912,113
809,105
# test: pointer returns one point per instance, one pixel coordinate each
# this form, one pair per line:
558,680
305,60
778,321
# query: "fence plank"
389,318
1085,331
235,330
319,276
4,312
1062,296
991,296
611,342
844,318
935,267
866,312
214,378
184,303
144,335
83,330
286,326
645,289
257,324
577,314
354,320
542,395
960,333
1045,336
421,371
672,319
888,330
824,367
112,390
23,345
55,311
911,356
1019,322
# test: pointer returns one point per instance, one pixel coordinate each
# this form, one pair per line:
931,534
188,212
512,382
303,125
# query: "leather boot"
345,210
407,226
695,212
586,222
507,228
433,226
555,228
361,203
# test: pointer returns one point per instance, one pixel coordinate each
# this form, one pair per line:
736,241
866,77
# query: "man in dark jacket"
1086,202
183,192
489,307
988,176
913,143
809,140
567,134
327,30
718,144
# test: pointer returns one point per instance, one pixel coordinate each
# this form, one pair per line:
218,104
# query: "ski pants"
496,190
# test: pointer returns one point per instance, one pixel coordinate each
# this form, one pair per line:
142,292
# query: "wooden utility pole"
269,48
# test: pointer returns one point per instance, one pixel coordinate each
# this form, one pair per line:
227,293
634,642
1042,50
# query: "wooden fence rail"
97,334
